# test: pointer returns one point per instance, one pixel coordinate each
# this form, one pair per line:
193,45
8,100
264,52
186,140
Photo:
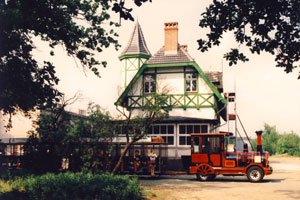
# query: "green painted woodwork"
212,87
220,101
194,64
134,56
184,101
166,73
131,66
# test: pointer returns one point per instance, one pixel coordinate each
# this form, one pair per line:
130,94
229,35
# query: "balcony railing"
205,100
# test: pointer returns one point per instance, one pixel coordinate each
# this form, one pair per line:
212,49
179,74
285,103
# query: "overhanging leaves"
270,26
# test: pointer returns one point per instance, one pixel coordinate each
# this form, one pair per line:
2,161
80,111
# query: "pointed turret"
136,44
133,56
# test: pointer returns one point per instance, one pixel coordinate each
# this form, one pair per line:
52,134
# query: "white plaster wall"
137,88
172,152
177,152
170,83
130,75
183,152
206,113
122,75
132,63
169,69
126,78
203,87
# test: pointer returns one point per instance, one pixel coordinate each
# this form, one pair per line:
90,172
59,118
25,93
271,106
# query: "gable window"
149,84
191,82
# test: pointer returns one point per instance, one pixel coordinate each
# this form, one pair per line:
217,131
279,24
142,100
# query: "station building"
195,97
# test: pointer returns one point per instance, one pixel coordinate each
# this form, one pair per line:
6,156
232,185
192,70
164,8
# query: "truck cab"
210,158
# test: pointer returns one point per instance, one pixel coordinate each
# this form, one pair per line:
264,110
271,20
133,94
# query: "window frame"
167,134
153,81
186,79
186,134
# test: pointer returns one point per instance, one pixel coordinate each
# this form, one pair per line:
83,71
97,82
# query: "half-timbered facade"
194,95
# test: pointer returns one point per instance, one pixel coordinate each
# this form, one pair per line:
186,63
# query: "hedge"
71,186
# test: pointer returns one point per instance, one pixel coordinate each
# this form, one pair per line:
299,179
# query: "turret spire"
136,43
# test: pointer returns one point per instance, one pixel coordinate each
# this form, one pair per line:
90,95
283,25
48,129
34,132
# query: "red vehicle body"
209,158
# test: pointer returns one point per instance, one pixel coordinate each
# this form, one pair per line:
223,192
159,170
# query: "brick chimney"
171,37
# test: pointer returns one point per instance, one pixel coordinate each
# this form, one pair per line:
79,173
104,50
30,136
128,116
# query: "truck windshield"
211,144
196,143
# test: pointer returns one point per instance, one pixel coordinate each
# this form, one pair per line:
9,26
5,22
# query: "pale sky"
265,94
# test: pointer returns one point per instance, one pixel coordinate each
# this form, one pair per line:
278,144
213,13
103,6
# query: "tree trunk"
122,156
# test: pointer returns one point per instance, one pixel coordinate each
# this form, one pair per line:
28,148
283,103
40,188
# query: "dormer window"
149,84
191,82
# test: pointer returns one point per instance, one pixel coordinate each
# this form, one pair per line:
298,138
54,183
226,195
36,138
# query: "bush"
276,143
270,138
290,144
12,174
72,186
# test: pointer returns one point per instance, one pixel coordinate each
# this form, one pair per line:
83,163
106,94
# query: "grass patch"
148,194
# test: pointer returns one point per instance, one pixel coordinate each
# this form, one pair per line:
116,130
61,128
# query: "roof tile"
160,57
136,43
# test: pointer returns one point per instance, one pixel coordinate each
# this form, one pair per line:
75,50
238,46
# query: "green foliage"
276,143
81,27
270,26
84,142
289,144
270,139
124,12
254,143
72,186
46,146
90,139
13,174
136,126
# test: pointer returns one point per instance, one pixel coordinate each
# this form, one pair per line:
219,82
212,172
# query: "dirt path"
284,183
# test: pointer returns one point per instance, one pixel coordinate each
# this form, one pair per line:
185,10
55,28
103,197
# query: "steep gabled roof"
221,102
136,43
216,79
160,57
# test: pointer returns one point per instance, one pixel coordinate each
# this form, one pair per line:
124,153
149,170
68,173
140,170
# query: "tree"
270,139
80,27
46,145
124,12
135,126
290,144
270,26
90,140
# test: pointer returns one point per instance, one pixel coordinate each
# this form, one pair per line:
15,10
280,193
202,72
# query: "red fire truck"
210,159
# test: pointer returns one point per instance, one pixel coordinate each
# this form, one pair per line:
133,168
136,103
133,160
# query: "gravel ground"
284,183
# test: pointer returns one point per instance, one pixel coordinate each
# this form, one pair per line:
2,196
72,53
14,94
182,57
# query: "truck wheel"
207,177
255,174
205,172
